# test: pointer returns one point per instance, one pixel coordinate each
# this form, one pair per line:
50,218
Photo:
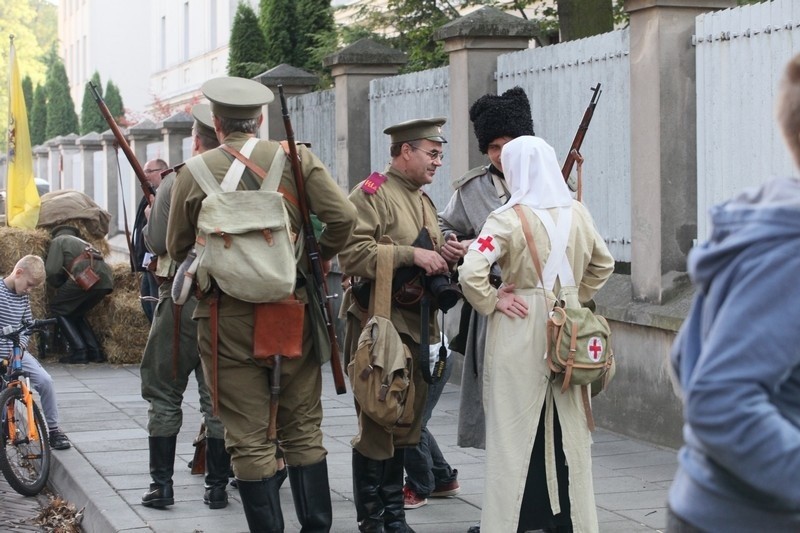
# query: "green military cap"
203,120
420,128
237,98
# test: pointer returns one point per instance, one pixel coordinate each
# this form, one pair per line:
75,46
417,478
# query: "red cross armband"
488,246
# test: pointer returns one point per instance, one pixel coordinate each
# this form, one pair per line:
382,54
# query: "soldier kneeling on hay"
81,278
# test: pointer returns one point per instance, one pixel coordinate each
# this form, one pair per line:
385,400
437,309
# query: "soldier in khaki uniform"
243,381
168,362
393,204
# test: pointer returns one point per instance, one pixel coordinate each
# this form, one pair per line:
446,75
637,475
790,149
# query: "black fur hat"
507,115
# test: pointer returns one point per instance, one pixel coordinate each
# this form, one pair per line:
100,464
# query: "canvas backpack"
380,370
578,346
245,242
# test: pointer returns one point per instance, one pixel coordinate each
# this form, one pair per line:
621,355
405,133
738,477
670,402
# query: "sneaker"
447,489
411,499
59,441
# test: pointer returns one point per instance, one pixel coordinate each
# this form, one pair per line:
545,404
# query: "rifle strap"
128,240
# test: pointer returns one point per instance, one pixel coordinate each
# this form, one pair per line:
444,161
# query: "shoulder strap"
269,180
203,176
557,265
235,171
381,297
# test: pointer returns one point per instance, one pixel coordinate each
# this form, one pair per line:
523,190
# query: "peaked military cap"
203,120
420,128
237,98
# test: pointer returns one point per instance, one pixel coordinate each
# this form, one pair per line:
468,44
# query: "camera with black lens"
445,292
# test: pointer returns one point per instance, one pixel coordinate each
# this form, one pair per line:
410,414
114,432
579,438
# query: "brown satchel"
88,278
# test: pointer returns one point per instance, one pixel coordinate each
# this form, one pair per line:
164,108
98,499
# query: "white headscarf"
533,175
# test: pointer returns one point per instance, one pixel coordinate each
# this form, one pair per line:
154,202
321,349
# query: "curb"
73,478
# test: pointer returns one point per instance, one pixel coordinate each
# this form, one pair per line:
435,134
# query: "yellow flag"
22,198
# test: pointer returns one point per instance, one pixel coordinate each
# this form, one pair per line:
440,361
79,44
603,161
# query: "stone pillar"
295,81
663,142
54,163
473,43
174,130
110,202
68,150
89,145
40,159
353,67
140,136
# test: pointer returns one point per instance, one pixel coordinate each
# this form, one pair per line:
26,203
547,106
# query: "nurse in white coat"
538,457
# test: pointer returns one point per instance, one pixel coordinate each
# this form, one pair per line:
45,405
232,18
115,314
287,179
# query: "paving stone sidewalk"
106,471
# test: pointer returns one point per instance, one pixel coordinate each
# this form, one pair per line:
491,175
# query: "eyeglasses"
434,155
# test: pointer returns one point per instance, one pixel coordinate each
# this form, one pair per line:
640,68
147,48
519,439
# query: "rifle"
147,189
574,150
312,250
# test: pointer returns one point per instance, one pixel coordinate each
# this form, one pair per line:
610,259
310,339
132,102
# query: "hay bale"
119,321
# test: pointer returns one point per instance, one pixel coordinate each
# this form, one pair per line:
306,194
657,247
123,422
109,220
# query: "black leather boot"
162,461
312,497
394,515
218,462
94,353
262,505
77,347
367,476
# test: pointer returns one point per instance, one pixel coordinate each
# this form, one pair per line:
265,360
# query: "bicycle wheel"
25,463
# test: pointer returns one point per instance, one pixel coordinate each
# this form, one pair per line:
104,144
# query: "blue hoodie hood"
762,217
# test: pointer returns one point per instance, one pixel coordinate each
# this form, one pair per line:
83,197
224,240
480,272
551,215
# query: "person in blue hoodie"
737,359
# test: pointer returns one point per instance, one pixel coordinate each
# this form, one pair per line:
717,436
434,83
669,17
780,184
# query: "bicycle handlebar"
26,325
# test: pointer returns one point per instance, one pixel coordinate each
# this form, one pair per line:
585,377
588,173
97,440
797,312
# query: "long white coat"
516,384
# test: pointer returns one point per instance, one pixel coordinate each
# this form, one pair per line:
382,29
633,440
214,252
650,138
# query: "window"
163,42
212,24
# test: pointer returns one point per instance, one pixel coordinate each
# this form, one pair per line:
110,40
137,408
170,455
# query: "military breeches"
71,300
165,375
244,399
373,441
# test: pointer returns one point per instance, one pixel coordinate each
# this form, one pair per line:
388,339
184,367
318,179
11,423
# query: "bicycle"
24,446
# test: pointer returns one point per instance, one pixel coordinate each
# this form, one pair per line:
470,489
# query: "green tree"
27,92
278,21
114,103
314,17
61,116
38,116
583,18
248,49
91,118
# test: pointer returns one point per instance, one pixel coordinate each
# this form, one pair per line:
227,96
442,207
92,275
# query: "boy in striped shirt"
15,307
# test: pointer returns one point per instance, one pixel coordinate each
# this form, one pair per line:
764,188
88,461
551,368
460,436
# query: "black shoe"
162,459
59,441
216,497
159,496
475,529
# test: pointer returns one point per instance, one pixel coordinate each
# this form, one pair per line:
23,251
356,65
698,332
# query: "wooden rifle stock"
147,189
575,149
312,250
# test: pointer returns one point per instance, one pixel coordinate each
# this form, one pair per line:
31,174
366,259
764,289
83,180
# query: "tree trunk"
583,18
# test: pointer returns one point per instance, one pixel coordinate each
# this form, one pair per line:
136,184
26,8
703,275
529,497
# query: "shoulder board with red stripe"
373,183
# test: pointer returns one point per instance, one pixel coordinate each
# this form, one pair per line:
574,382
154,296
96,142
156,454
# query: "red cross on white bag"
595,348
485,244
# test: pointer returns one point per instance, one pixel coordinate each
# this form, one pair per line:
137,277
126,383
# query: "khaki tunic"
243,380
165,374
69,298
400,210
516,383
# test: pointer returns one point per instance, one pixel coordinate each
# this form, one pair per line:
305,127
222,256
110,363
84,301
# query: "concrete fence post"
174,130
88,145
295,81
473,43
663,142
353,67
